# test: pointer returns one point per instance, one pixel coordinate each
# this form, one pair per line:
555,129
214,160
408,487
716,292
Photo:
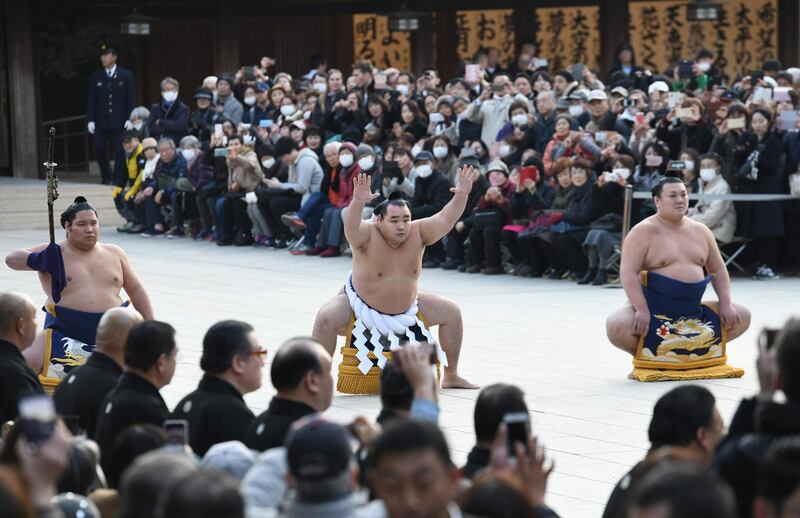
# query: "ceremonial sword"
52,181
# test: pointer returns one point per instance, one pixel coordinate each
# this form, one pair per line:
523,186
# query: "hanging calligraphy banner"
568,35
744,34
374,42
484,29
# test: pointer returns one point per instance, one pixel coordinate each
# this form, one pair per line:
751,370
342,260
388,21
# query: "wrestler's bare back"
94,277
386,277
677,251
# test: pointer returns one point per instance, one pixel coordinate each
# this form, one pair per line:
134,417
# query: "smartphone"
685,69
531,172
762,94
498,89
736,123
684,113
221,152
218,130
577,71
612,176
177,431
245,125
518,430
676,165
627,103
437,117
782,94
672,99
37,418
640,120
539,63
380,81
472,73
249,73
265,123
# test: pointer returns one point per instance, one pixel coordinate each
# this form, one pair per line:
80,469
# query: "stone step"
23,203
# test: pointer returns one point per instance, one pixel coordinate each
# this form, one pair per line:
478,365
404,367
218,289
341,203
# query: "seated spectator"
414,474
491,214
684,418
545,257
301,375
349,116
150,352
331,230
211,192
778,490
454,244
226,104
761,421
169,119
305,178
232,361
571,231
717,215
687,167
444,157
128,185
198,174
411,121
494,402
567,143
202,120
151,475
160,188
431,194
138,117
244,176
87,386
651,170
399,174
202,493
17,332
605,230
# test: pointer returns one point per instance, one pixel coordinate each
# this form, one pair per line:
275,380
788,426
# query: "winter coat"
244,170
765,218
168,121
717,215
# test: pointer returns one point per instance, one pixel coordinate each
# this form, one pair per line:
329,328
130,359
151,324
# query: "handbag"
164,181
486,218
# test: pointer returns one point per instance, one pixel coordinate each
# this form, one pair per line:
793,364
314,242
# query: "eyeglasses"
261,353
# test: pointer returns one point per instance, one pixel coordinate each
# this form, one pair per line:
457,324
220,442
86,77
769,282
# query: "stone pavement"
545,336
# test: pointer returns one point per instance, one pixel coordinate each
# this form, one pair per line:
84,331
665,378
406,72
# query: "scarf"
149,168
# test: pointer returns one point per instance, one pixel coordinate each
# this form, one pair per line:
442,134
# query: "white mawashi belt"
380,324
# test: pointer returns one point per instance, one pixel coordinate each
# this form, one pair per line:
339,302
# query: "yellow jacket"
134,165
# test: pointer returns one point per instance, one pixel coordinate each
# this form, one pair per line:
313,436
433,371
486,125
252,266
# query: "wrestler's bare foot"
454,381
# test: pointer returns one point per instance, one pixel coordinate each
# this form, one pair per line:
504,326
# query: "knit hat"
148,143
349,146
497,165
363,150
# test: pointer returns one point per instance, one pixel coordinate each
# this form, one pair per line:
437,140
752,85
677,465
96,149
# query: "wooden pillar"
339,44
788,38
5,143
524,24
22,91
422,47
446,41
613,30
227,37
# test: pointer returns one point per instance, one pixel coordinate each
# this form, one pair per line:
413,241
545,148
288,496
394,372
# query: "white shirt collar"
111,71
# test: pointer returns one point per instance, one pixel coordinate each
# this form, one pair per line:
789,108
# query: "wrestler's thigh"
438,310
334,315
619,325
34,355
744,321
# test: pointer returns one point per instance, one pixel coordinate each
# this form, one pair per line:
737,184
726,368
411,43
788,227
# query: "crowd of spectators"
266,159
111,447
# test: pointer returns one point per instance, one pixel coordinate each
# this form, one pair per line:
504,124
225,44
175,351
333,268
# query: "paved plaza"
545,336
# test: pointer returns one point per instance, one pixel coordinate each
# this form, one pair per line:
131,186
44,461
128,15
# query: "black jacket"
737,460
269,430
608,199
477,460
82,392
431,194
681,136
172,122
761,219
133,401
579,211
16,379
216,413
111,100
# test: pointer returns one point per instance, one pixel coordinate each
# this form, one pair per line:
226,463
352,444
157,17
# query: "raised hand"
466,177
362,191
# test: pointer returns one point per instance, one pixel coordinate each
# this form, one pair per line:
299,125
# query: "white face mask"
250,101
268,163
248,140
415,150
346,159
287,109
188,154
575,110
307,114
622,172
138,126
504,150
170,96
519,119
320,87
704,67
366,163
689,165
402,89
440,151
424,170
708,174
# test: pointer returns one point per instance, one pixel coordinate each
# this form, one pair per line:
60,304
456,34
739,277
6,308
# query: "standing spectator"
301,375
568,143
232,361
202,120
489,217
112,96
170,117
17,331
682,132
150,358
490,109
362,72
760,164
84,390
718,215
624,62
727,142
226,105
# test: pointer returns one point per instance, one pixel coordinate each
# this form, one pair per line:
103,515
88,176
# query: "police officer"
112,97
